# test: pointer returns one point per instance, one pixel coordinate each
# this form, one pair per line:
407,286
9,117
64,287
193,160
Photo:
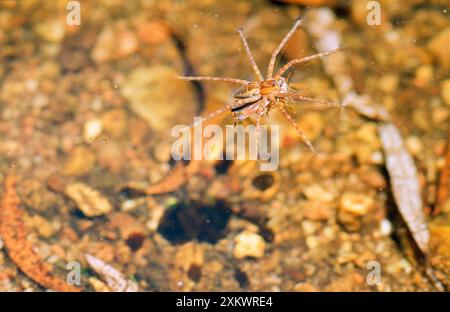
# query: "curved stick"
250,56
280,46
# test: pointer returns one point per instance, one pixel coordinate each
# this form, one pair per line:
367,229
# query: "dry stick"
250,56
115,280
14,234
406,184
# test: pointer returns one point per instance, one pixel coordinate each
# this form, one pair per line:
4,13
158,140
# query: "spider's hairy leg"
280,46
258,119
293,62
223,79
250,56
298,97
294,124
210,115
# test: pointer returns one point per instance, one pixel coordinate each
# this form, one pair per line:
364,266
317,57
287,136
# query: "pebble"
91,202
98,285
385,227
414,145
92,129
114,43
309,227
80,161
312,242
424,75
115,122
388,83
50,31
317,210
438,45
311,124
151,92
44,228
248,244
305,287
357,204
445,91
153,32
318,192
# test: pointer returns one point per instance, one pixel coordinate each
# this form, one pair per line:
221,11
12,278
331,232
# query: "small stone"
414,145
424,75
309,227
385,227
318,192
98,285
91,202
388,83
129,205
127,44
445,91
115,122
305,287
92,129
440,114
356,204
248,244
153,32
438,45
80,161
312,125
317,210
151,90
50,31
44,228
312,242
114,42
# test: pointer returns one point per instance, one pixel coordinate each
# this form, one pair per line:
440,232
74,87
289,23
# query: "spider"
257,98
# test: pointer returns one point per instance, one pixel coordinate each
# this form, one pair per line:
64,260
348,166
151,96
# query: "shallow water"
86,117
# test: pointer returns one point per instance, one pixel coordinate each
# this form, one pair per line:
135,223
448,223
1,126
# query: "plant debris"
405,184
20,250
88,200
115,280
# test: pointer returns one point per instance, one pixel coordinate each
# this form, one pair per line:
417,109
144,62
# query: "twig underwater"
14,234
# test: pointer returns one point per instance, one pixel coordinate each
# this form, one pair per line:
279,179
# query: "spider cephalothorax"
256,98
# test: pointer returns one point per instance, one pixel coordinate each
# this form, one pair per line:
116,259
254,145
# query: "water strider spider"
256,98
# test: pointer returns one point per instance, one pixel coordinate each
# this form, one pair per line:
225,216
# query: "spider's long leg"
210,115
297,97
303,60
250,56
258,117
223,79
294,124
280,46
